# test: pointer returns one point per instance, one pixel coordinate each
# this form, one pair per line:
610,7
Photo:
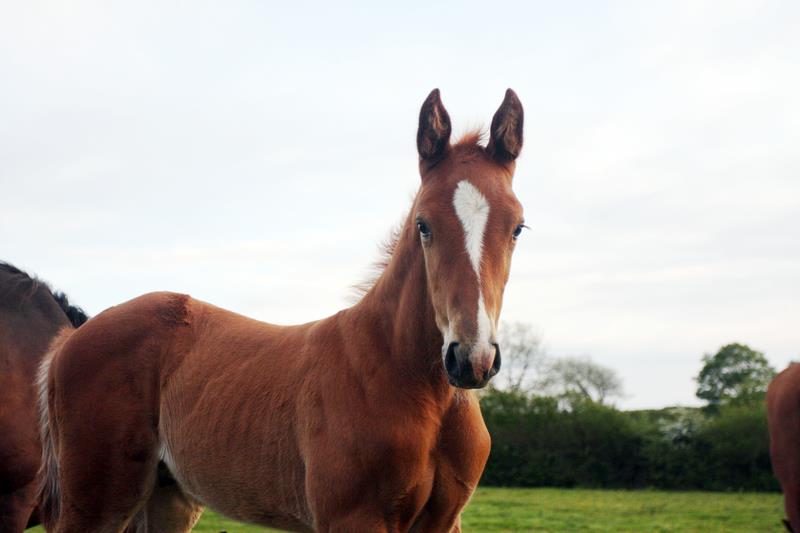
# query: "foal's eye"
424,230
518,230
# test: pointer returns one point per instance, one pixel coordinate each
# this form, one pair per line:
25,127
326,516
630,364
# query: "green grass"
606,510
517,510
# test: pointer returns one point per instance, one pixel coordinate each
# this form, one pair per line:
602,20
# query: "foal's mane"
386,250
470,145
16,284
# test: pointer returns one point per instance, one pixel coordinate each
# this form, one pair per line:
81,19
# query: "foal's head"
468,221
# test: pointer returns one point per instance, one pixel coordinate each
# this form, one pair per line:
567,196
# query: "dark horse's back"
783,415
30,317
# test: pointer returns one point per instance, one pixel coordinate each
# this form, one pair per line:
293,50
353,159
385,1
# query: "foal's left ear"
505,141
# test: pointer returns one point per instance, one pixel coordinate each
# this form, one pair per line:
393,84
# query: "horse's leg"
443,511
20,453
787,469
34,519
463,449
16,508
168,510
354,522
357,521
433,523
19,462
791,499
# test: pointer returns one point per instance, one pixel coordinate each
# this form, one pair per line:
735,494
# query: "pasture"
519,510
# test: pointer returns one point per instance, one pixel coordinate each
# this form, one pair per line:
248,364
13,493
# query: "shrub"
573,442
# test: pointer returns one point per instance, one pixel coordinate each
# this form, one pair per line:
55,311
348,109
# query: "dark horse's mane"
21,285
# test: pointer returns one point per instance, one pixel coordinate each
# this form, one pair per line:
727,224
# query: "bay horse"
362,421
31,315
783,418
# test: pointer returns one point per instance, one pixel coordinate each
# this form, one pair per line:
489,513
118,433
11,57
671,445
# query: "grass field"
512,510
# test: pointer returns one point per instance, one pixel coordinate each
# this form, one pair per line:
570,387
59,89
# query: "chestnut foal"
357,422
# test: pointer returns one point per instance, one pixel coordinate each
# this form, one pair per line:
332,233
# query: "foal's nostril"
496,363
450,360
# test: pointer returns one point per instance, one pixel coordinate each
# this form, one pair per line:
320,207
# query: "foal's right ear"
433,135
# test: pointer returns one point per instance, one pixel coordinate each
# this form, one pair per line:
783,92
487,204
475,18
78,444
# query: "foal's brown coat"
30,317
346,424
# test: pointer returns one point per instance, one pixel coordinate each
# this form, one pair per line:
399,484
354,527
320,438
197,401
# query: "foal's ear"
433,135
505,141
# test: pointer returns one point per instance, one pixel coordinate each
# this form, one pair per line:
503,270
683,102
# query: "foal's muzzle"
469,366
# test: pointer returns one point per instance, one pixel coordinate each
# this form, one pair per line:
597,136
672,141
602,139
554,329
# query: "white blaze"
472,210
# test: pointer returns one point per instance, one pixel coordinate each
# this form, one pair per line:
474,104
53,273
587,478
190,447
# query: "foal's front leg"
368,509
460,458
366,522
442,513
355,523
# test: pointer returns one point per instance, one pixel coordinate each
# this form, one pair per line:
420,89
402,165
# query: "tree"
524,361
736,374
527,369
583,378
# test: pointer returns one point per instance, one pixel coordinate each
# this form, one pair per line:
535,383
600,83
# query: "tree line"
552,425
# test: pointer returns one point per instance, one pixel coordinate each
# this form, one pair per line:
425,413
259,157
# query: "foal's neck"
399,305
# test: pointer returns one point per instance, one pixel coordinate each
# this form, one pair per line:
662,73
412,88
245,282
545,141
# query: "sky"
254,156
